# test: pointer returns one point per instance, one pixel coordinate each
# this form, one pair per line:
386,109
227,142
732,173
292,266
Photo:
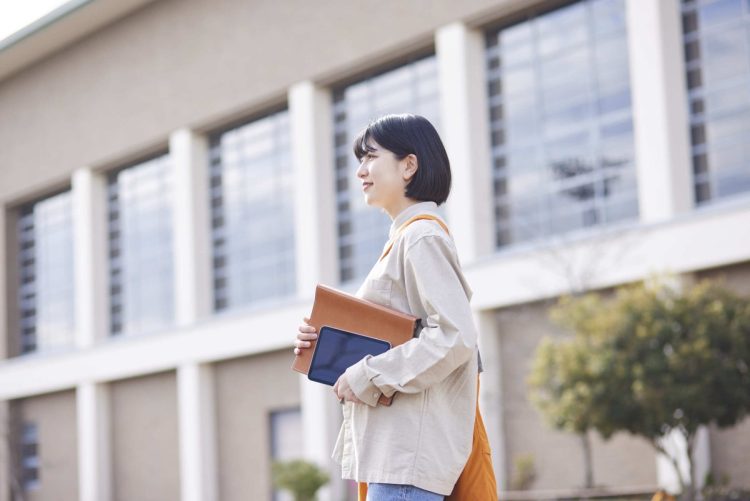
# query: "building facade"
176,177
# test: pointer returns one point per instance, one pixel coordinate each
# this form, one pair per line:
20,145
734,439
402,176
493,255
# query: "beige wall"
145,453
730,453
558,457
176,63
730,448
55,416
9,288
7,284
735,277
247,390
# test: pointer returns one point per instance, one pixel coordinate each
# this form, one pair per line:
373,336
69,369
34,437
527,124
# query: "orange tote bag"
477,480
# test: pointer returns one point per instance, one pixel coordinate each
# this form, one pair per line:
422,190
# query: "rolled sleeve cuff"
361,385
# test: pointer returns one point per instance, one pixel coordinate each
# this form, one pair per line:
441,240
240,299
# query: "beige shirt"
424,438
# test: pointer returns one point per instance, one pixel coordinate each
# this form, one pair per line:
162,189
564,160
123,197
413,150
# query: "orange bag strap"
392,241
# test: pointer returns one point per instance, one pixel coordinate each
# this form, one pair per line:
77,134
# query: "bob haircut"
407,134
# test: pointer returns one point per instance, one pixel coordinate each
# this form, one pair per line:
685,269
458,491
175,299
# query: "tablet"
337,350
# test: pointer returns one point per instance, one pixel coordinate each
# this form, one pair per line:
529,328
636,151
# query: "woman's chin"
370,201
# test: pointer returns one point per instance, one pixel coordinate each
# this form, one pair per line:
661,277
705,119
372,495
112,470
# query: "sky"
17,14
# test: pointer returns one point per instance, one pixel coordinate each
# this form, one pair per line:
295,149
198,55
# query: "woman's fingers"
302,344
306,334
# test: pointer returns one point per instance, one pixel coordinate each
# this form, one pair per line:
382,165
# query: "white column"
660,114
702,456
666,476
465,132
490,391
89,206
198,455
94,442
188,153
674,443
311,115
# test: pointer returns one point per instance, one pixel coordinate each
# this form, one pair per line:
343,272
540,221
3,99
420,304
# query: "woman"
416,448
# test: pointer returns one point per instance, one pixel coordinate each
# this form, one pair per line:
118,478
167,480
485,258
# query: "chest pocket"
378,291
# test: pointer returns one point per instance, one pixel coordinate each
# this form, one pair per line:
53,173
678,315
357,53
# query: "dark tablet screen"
337,350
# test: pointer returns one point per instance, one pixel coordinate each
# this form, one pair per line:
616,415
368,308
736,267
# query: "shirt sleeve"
448,338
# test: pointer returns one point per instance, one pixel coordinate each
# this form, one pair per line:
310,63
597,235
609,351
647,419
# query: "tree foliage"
301,478
652,360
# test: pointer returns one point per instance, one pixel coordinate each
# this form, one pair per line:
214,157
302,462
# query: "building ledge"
704,238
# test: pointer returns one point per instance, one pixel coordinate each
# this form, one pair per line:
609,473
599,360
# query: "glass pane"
719,83
253,226
733,182
562,29
46,291
720,11
725,99
725,54
731,125
561,124
141,276
609,16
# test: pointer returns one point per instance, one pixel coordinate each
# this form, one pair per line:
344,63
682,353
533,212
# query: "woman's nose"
361,171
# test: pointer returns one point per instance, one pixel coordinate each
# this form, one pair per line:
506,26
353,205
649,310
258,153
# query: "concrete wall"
558,457
145,438
9,311
730,453
247,390
55,416
176,63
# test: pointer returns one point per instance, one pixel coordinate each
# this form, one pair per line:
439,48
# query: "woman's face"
384,178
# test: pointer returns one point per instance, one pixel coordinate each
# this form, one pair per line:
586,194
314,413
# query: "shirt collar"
412,210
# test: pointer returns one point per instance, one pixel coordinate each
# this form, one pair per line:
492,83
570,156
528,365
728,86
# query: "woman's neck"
397,209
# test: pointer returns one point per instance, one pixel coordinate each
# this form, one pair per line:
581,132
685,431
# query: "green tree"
652,361
301,478
564,374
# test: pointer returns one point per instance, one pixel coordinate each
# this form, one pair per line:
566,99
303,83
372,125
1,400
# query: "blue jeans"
396,492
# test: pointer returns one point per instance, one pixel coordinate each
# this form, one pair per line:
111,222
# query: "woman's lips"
365,186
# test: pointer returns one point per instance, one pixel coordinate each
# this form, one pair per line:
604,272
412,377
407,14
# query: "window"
410,88
252,200
140,247
286,441
29,456
45,263
717,59
561,125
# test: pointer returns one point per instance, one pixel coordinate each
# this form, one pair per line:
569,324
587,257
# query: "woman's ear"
412,165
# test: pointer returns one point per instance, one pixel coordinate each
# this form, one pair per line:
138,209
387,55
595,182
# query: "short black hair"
406,134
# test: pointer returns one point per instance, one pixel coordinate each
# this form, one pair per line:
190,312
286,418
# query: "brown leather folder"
344,311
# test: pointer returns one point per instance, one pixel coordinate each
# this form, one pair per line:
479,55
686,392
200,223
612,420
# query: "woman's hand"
344,392
306,334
